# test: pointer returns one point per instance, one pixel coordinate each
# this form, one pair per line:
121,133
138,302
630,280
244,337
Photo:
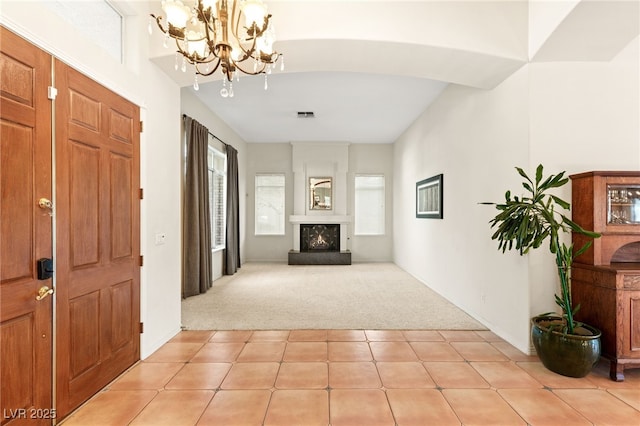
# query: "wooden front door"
98,236
25,233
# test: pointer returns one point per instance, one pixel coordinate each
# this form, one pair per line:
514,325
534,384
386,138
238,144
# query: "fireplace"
320,237
320,240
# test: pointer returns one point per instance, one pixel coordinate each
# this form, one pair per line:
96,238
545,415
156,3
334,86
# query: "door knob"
46,204
44,292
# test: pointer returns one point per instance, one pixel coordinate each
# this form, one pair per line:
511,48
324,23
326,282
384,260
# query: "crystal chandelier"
232,35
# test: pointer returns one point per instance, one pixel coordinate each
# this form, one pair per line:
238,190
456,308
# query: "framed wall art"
429,198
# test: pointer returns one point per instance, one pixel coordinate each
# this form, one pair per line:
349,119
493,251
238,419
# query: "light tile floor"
355,377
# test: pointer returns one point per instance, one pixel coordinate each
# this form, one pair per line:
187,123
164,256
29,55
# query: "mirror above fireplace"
320,193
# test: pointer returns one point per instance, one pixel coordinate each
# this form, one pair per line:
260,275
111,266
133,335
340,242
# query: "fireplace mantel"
298,219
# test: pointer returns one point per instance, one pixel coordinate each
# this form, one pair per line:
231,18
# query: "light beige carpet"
273,296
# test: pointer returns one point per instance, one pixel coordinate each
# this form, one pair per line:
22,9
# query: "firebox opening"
319,237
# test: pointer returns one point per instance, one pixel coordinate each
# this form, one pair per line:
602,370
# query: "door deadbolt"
45,268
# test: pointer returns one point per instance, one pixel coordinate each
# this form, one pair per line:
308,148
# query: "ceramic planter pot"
572,355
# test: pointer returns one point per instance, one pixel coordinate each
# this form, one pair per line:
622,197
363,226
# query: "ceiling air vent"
305,114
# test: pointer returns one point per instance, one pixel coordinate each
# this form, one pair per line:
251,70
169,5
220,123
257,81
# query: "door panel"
98,250
84,169
26,230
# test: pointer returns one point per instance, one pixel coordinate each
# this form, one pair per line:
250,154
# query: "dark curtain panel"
196,254
232,252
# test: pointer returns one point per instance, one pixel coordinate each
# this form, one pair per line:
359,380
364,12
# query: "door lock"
45,268
44,292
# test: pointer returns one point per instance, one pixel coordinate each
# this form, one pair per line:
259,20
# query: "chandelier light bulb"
196,44
177,13
254,12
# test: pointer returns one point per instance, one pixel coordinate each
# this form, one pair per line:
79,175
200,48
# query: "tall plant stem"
563,272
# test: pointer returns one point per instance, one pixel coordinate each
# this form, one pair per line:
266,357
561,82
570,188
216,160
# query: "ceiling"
368,69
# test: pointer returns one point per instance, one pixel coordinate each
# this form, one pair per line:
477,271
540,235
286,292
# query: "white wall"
194,108
584,116
268,158
474,137
372,159
568,116
277,158
159,98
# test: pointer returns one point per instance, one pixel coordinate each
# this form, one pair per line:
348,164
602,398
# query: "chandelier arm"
202,17
206,60
207,73
158,19
234,29
246,53
176,33
183,53
260,71
233,14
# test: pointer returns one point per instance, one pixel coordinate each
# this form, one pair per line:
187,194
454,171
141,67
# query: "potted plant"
563,344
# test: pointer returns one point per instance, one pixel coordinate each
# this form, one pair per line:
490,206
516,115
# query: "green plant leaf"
576,309
561,202
523,174
557,181
538,174
583,249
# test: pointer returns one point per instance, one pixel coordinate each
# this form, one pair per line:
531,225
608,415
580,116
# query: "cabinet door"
622,213
630,324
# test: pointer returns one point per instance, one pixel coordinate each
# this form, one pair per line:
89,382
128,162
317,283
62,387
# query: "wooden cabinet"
605,280
609,297
608,203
